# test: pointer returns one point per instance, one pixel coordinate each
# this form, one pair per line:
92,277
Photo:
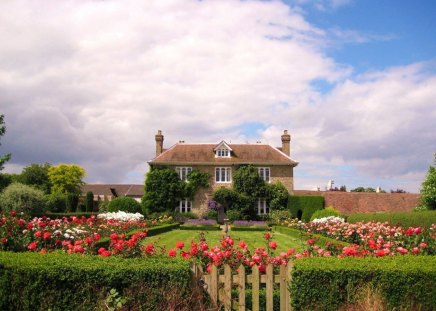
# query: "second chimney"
159,142
286,143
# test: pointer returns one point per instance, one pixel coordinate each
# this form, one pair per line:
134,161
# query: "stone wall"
361,202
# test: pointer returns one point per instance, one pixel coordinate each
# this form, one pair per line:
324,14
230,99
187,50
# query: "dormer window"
223,153
223,150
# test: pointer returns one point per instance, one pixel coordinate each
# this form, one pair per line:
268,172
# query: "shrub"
89,202
277,217
405,219
405,282
302,207
124,204
56,203
212,215
233,215
183,217
329,211
56,281
22,198
71,202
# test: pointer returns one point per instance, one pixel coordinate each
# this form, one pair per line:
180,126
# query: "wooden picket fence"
219,286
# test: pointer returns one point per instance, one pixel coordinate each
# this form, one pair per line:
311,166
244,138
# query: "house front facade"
221,160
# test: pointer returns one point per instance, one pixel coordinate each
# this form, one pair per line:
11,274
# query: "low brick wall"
361,202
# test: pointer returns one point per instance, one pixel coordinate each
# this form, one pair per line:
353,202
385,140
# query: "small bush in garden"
89,203
56,203
71,202
329,211
212,215
233,215
182,217
124,204
277,217
22,199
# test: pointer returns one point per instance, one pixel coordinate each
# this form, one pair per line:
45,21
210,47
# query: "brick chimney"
286,143
159,142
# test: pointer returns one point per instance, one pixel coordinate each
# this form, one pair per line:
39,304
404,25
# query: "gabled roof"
260,154
132,190
222,145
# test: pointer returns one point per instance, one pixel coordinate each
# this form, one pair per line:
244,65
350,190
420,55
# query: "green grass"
253,239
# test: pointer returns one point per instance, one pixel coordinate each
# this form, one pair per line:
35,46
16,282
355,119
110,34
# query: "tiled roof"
183,153
119,189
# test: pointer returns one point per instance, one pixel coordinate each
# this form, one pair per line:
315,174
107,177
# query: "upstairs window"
183,172
262,208
264,173
223,153
223,174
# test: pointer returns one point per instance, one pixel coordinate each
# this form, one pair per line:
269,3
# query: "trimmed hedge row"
58,281
405,219
200,227
250,228
405,282
105,242
303,207
61,215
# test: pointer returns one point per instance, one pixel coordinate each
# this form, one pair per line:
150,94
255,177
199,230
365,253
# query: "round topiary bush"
329,211
22,199
124,204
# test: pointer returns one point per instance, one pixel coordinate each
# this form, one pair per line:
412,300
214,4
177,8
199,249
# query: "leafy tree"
6,157
89,203
247,180
66,178
125,204
71,202
36,175
56,202
162,189
428,190
277,196
7,179
22,198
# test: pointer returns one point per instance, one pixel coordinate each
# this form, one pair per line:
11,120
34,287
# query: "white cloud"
90,82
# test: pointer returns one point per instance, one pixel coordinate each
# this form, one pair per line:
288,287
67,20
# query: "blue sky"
91,82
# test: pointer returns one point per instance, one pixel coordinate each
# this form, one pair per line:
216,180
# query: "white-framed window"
264,173
185,206
183,172
223,152
223,174
262,207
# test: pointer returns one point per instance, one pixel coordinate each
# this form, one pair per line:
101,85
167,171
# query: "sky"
353,81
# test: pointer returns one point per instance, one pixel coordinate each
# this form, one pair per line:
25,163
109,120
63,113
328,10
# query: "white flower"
121,216
329,219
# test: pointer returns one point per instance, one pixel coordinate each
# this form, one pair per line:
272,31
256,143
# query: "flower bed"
200,224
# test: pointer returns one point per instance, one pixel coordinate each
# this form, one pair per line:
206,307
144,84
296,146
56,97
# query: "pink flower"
310,242
32,246
423,245
180,245
267,236
243,245
38,234
96,237
402,250
273,244
46,236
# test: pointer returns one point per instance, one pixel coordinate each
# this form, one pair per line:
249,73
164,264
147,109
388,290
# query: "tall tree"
6,157
428,191
66,178
37,175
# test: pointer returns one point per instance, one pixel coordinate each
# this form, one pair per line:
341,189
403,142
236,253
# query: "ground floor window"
262,207
185,206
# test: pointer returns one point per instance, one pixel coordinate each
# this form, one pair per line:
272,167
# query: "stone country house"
220,160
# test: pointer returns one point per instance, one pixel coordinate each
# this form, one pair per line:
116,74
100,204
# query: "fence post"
269,287
241,281
289,282
227,288
213,291
255,287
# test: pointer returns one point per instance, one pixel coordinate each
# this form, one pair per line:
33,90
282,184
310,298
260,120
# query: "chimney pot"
159,138
286,143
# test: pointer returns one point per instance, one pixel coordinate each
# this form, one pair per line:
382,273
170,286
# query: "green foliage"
237,204
6,157
22,198
200,227
329,211
249,228
7,179
246,180
36,175
212,215
305,206
71,202
162,189
66,178
56,202
125,204
89,201
233,215
405,219
196,180
182,217
57,281
62,215
362,189
277,216
405,282
428,191
277,196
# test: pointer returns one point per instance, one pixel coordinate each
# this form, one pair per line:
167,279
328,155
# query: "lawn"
254,239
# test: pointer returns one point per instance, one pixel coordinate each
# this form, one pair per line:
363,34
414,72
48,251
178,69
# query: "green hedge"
250,228
306,204
61,215
405,282
200,227
58,281
405,219
105,242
